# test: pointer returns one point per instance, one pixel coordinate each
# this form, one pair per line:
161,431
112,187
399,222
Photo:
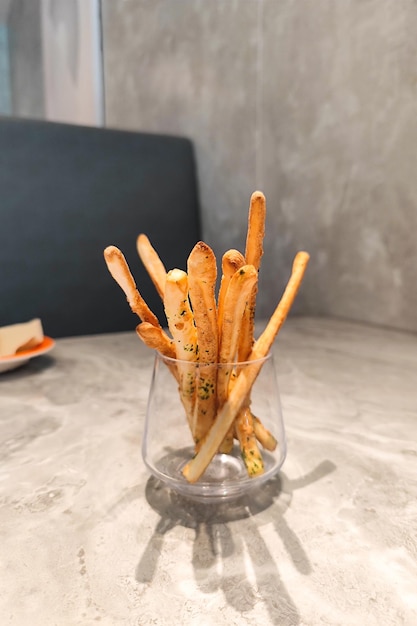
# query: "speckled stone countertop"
87,537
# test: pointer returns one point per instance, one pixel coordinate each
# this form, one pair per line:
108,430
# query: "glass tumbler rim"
169,359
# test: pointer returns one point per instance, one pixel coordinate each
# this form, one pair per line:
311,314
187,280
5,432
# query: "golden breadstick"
181,324
202,274
253,255
152,263
264,342
179,315
263,435
196,467
120,271
251,456
232,260
157,339
256,229
154,337
240,287
238,292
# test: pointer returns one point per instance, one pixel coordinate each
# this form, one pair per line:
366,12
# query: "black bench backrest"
67,192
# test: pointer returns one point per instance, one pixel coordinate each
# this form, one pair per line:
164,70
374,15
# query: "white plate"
12,362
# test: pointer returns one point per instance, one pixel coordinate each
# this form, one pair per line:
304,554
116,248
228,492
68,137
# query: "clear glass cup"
168,442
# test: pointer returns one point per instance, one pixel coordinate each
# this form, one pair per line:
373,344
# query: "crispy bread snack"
232,261
119,269
180,316
241,389
256,229
251,455
265,438
202,274
152,263
154,337
181,324
253,255
239,290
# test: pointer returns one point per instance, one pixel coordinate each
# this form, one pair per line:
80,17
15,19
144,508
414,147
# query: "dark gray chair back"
67,192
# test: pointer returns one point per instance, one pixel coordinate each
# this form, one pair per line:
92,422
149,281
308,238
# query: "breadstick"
202,273
120,271
179,315
263,435
256,229
232,260
267,338
253,255
196,467
238,292
251,456
152,263
154,337
240,287
181,324
157,339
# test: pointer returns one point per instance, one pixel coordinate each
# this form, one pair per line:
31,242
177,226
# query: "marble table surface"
88,537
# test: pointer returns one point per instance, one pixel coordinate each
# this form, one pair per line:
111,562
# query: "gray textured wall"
25,53
5,96
314,102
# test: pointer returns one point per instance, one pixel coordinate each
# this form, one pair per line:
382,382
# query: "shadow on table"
32,367
214,541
